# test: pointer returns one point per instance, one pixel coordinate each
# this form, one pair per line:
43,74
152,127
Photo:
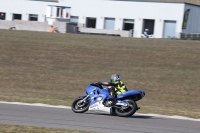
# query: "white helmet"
115,77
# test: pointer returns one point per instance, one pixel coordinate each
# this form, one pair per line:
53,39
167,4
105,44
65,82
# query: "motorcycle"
149,36
96,98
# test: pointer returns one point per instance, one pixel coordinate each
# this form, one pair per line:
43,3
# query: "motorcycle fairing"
97,94
97,106
131,93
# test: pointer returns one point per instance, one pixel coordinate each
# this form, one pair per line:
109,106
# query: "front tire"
80,107
129,111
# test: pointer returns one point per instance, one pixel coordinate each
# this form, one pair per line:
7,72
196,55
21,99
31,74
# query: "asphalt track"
101,122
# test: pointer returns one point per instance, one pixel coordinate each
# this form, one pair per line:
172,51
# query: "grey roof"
159,1
45,0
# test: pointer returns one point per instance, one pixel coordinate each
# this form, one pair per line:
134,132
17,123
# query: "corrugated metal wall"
193,22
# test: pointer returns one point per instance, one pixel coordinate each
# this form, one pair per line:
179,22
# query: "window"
33,17
128,24
185,19
74,19
2,15
17,17
58,12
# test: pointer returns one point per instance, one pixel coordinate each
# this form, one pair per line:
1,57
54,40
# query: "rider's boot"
109,102
112,101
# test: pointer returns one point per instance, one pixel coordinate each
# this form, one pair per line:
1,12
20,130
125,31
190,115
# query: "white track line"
36,104
106,110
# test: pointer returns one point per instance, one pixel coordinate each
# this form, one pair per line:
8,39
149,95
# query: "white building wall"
100,9
100,21
25,8
138,27
128,10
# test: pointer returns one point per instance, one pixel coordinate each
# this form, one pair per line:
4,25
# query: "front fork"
82,102
84,99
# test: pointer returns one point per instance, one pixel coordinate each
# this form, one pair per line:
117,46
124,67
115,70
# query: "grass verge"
28,129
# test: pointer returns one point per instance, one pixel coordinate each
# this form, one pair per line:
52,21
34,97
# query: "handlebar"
99,84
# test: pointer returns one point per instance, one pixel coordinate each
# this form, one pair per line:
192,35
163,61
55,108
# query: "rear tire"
80,107
128,111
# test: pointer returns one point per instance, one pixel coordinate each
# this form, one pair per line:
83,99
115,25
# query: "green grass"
56,68
27,129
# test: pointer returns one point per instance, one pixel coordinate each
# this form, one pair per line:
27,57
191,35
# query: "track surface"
100,122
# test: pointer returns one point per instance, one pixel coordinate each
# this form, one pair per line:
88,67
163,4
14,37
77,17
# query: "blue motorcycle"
96,99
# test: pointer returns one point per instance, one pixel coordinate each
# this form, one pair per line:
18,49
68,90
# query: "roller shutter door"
109,23
169,29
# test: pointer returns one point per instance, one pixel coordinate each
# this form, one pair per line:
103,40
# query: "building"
124,17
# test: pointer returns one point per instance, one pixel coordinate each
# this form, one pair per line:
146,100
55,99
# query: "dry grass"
27,129
56,68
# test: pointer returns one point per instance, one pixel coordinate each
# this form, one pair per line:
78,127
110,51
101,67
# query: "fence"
190,36
35,26
94,31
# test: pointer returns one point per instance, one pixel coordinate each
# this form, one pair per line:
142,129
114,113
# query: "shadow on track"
134,116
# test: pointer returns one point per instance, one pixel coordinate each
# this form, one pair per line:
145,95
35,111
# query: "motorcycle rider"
146,33
116,87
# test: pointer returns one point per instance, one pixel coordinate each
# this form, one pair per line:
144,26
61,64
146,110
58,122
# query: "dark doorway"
91,22
128,24
17,16
33,17
148,24
2,15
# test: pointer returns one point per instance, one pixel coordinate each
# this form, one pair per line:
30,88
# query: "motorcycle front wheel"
127,111
79,106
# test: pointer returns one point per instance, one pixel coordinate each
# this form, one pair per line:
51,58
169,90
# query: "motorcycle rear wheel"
128,111
80,107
